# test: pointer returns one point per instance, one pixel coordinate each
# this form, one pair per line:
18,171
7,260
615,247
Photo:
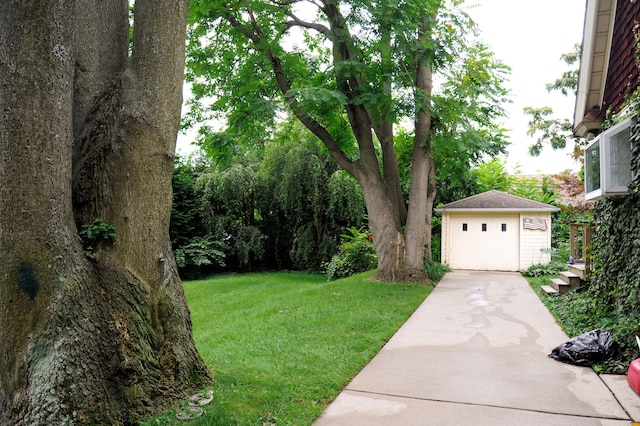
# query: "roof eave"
496,210
582,129
596,48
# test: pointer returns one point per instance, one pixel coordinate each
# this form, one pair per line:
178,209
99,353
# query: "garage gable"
496,201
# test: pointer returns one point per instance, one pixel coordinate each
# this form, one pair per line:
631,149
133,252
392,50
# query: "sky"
529,37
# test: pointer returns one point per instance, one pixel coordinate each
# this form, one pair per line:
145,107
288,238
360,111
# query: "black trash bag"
586,349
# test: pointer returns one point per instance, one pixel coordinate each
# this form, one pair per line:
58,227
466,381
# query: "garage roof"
496,201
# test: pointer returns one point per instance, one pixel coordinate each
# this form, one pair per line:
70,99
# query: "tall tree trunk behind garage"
87,341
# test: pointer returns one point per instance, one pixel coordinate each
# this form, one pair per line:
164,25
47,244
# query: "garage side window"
504,227
484,227
464,227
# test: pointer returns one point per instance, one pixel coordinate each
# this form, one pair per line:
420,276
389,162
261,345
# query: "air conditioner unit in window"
607,162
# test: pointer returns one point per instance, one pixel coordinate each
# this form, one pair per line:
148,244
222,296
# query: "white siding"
445,240
535,244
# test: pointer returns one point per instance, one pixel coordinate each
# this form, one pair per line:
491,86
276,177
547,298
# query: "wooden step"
549,291
560,286
579,270
570,278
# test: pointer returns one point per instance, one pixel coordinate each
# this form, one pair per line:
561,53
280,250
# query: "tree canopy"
352,72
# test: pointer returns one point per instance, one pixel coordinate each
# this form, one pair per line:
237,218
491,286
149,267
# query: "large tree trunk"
402,242
421,196
90,341
385,225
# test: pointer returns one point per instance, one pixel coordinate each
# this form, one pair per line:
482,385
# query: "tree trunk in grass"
87,132
363,69
401,235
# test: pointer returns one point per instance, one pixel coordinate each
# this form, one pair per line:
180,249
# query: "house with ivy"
607,116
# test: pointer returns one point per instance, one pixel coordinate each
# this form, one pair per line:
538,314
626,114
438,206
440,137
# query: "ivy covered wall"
615,284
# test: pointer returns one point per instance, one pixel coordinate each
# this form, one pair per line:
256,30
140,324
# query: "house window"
607,162
619,160
464,227
484,227
592,168
504,227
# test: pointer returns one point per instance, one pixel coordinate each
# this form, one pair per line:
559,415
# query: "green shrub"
201,251
353,258
356,254
539,270
435,270
578,312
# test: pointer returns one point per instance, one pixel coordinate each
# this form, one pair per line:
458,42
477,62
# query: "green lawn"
282,345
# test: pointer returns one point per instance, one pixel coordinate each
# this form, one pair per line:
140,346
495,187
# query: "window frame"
600,170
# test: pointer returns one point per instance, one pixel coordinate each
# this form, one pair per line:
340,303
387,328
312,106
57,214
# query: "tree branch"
256,36
254,22
349,84
284,3
297,22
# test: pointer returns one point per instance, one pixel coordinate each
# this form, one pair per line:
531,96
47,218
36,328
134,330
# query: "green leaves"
567,84
364,56
98,229
548,129
493,175
93,234
553,131
357,254
616,279
201,251
319,98
346,202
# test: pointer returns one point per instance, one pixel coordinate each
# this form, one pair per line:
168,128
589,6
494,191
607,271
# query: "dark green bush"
436,270
201,251
310,250
356,254
356,257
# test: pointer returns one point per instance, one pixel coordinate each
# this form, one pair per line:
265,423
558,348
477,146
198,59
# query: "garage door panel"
484,242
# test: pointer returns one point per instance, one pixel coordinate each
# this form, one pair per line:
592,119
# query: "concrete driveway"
475,353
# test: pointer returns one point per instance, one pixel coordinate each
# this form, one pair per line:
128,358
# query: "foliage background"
288,206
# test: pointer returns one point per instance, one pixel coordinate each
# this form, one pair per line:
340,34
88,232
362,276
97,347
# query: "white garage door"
485,242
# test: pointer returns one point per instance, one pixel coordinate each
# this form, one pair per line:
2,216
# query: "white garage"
495,231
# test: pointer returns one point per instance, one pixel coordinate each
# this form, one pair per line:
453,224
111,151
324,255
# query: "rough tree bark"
423,191
88,132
